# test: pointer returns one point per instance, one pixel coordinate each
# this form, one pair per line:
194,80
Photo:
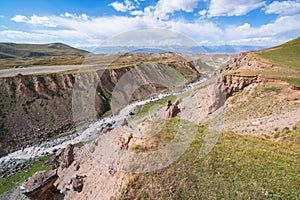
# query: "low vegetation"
19,177
238,167
26,55
162,133
264,95
285,55
159,103
46,61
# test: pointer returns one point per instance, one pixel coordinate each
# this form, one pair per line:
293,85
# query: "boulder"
172,109
124,141
77,183
41,186
66,156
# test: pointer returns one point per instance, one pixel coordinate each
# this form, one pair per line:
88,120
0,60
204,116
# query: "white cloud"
44,21
123,7
202,12
283,28
283,7
164,7
244,26
137,12
74,16
19,18
232,8
9,35
88,30
35,20
101,28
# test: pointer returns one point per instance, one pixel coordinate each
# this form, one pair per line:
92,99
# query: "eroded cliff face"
235,83
234,80
34,108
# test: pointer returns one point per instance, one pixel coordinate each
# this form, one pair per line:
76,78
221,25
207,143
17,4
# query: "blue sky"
84,23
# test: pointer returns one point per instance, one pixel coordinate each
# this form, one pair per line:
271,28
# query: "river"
90,132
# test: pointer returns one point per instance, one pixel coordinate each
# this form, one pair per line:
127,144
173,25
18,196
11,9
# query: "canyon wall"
37,107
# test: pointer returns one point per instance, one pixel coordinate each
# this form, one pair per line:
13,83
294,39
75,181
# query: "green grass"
61,134
285,55
39,54
16,179
293,81
45,60
81,144
264,95
238,167
276,90
161,137
107,113
161,102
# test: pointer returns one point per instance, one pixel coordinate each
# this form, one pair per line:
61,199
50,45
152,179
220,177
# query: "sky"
82,23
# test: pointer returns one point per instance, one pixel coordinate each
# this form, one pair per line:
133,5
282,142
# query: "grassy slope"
39,54
286,55
28,50
238,167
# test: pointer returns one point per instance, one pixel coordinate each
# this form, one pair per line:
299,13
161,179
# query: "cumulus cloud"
19,18
232,8
283,7
90,30
75,16
101,28
202,12
123,7
283,28
35,20
137,12
164,7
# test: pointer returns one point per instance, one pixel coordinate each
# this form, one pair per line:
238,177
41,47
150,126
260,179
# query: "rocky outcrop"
124,141
66,156
77,183
89,178
234,81
40,186
173,110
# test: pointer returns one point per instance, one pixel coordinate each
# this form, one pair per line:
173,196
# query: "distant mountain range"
227,49
12,50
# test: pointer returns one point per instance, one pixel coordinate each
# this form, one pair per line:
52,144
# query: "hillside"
12,50
285,55
12,54
277,63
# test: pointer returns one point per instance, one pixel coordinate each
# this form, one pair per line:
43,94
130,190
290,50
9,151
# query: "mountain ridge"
23,50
